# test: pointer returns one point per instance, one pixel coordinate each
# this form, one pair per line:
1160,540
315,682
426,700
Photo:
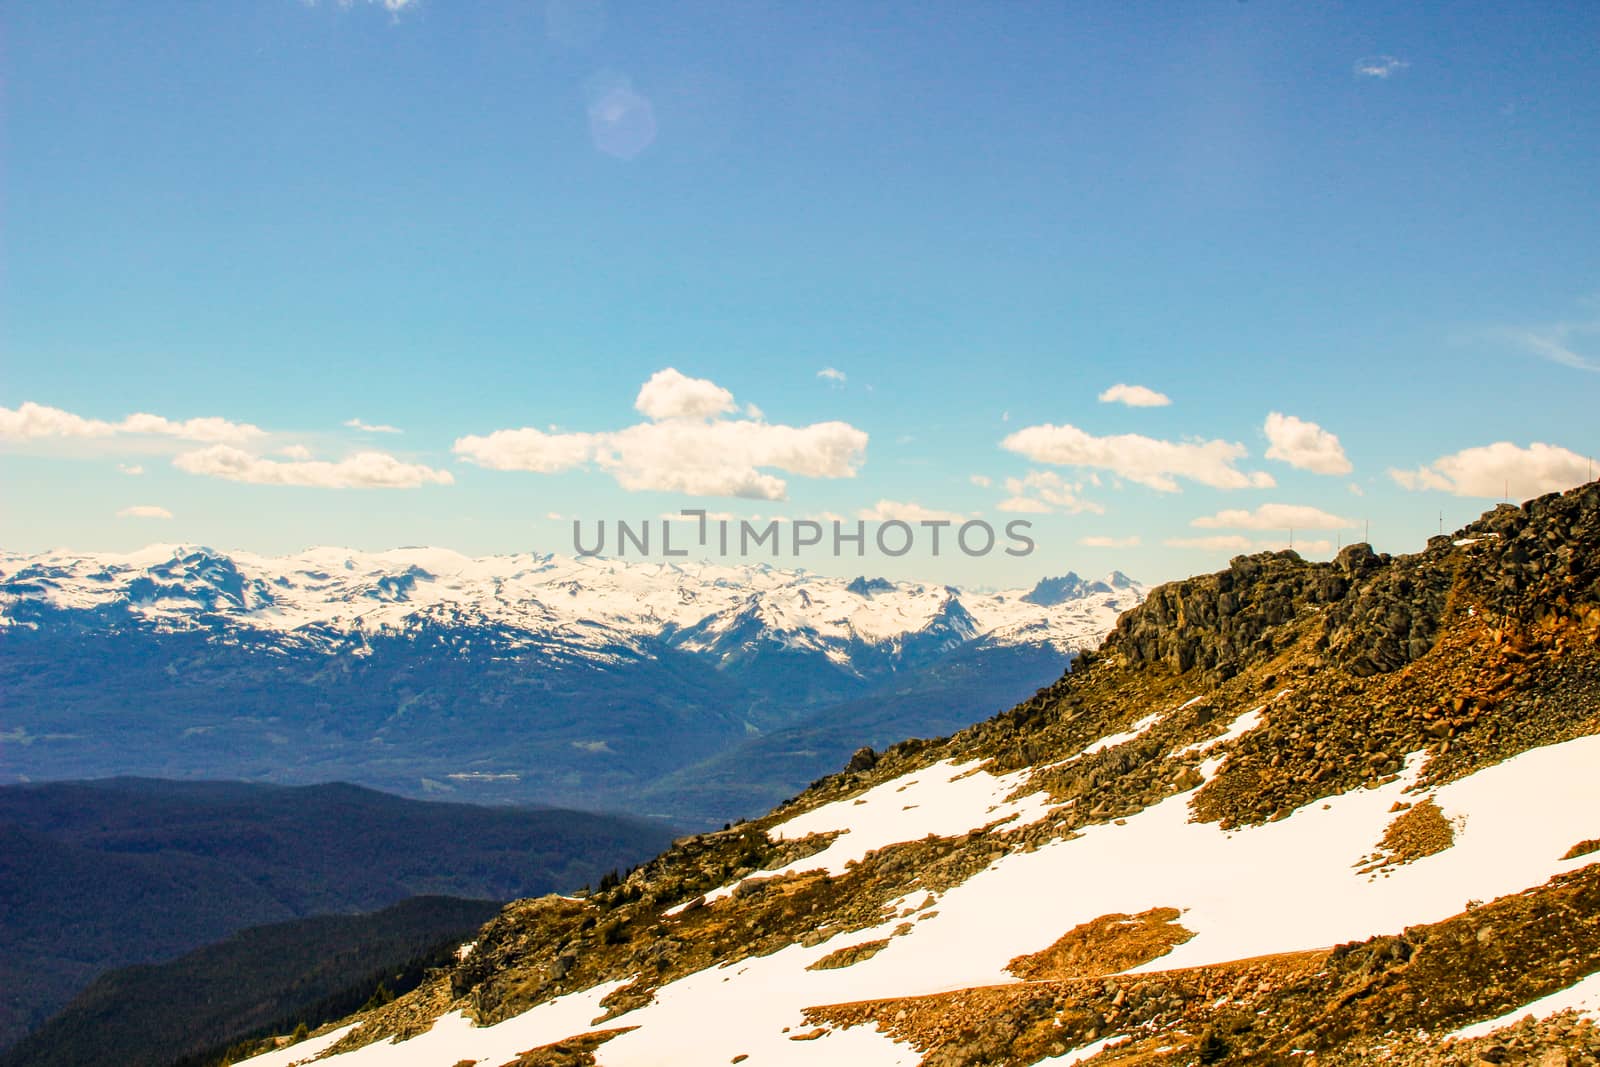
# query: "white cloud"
982,481
1240,543
1109,542
670,394
1380,66
209,430
710,516
832,374
144,511
1492,471
554,516
131,469
1039,492
367,427
884,510
364,470
31,421
295,451
1217,543
1356,490
1150,462
1301,545
685,449
529,449
1305,445
1274,517
1134,396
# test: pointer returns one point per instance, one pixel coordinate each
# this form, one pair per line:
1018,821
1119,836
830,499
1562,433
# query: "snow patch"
1583,997
454,1038
302,1051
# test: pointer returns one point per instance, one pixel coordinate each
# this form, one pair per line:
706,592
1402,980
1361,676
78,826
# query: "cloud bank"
1274,517
688,446
1145,460
1502,468
364,470
30,421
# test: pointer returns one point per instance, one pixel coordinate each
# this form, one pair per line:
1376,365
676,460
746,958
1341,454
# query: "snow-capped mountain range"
583,681
324,594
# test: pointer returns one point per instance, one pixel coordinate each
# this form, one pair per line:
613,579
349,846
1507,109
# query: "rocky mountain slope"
583,682
1335,813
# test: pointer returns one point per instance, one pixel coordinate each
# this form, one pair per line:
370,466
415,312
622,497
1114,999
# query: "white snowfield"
594,601
1292,884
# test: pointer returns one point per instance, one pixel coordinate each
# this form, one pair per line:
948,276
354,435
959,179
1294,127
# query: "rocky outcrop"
1219,622
1380,613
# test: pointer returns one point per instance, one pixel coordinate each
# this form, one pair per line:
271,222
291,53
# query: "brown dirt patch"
848,955
1106,945
1421,830
570,1052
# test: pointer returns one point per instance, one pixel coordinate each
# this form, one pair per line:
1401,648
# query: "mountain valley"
586,682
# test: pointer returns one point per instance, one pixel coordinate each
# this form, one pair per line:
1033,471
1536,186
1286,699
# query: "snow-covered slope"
1292,885
1291,812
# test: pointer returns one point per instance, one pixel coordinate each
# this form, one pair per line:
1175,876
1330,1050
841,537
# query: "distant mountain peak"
864,586
1051,591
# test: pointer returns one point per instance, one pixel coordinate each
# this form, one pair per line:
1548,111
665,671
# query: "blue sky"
454,219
